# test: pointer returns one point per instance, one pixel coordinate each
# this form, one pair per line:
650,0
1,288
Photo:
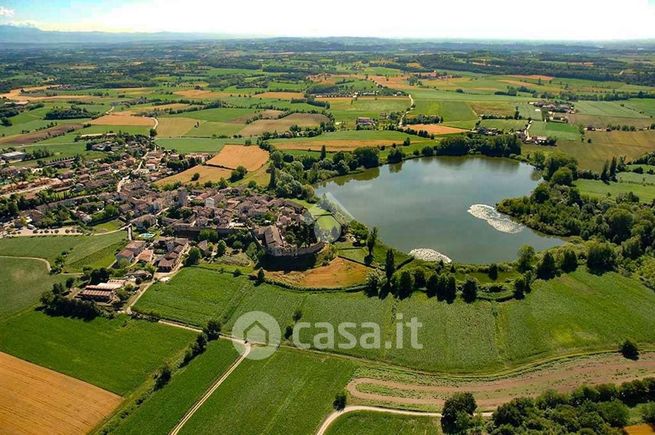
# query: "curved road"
355,408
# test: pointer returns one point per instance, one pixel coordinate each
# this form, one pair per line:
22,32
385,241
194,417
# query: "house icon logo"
261,331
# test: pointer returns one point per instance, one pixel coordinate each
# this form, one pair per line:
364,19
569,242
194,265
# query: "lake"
443,204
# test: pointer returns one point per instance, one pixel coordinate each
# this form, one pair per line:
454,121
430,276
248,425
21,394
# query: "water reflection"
424,203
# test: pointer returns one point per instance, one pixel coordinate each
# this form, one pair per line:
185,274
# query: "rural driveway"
411,105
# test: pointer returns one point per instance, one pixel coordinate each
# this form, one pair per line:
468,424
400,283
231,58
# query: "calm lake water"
425,203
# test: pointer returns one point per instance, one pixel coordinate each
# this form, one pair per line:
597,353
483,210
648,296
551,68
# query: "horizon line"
219,35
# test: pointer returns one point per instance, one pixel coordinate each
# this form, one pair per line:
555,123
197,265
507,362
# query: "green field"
504,124
132,129
291,392
576,312
347,110
556,129
164,408
378,423
210,129
194,295
640,179
598,189
115,354
218,115
23,283
607,108
645,106
108,226
356,135
94,251
449,110
600,146
196,145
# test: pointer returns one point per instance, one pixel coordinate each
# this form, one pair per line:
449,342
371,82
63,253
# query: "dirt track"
36,400
489,393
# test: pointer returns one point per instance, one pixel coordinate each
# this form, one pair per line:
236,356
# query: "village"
163,225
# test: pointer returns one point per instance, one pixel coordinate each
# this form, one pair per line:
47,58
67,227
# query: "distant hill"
24,36
32,36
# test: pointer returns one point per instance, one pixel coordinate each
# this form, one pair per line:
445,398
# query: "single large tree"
405,284
371,240
457,413
272,182
569,261
470,290
547,268
450,289
390,264
526,257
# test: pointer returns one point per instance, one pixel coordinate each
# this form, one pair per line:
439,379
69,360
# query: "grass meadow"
196,145
556,129
223,114
573,313
600,146
377,423
290,392
81,251
23,283
599,189
161,411
115,354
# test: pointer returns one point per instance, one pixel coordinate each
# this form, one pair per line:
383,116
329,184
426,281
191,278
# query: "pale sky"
459,19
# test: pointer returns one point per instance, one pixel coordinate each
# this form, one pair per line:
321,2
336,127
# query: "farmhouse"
364,123
144,222
174,248
13,156
131,251
146,256
103,292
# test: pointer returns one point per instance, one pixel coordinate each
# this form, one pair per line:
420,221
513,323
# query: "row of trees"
441,283
210,332
494,146
73,112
